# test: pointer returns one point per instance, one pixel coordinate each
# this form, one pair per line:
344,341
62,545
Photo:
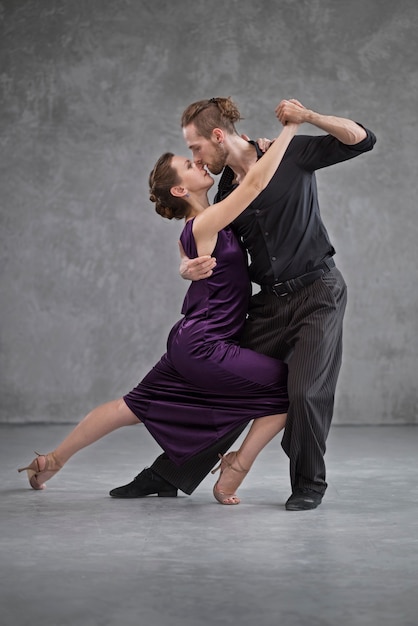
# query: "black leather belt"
295,284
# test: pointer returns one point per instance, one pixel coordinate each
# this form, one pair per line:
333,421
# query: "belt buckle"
279,295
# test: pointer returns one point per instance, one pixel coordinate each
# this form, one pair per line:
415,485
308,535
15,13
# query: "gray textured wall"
91,94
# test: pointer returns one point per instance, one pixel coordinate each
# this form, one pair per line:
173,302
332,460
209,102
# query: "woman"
205,385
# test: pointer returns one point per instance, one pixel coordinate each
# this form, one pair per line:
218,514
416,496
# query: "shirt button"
266,234
257,212
273,258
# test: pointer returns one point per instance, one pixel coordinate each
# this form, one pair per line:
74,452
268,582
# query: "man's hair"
213,113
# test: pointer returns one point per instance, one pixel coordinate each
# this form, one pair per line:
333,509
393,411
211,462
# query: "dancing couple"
272,358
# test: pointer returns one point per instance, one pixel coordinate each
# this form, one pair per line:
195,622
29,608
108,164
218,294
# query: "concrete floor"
71,555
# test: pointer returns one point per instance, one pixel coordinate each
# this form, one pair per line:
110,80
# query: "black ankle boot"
145,484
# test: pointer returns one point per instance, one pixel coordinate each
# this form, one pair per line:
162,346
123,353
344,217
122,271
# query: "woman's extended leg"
98,423
235,465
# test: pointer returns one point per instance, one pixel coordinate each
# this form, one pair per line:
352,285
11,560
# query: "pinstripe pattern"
305,329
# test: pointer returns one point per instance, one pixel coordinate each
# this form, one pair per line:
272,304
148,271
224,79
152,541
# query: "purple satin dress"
206,384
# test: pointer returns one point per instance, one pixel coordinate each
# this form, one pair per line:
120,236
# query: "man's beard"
218,160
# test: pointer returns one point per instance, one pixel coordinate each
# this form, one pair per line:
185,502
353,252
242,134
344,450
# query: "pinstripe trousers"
305,330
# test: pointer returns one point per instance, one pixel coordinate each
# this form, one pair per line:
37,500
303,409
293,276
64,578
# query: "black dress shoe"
146,483
304,499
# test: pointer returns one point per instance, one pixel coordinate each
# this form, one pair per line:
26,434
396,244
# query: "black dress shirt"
282,228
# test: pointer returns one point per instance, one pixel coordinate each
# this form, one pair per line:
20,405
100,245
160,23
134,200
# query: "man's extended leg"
304,329
165,478
314,366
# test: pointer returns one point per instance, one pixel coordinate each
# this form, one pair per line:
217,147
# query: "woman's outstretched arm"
207,225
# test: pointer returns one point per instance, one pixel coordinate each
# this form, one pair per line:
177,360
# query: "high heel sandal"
41,464
225,464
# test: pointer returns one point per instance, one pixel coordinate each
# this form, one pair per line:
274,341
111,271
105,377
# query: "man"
298,314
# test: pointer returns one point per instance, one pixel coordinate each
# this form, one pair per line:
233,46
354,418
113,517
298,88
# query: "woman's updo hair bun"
162,178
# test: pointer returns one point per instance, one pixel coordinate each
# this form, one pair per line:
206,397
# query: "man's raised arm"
345,130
